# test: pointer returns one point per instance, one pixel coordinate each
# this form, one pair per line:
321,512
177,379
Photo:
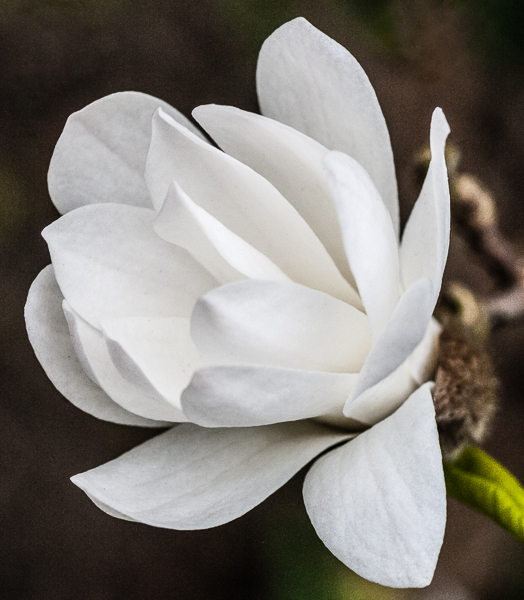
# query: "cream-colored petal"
101,153
110,263
92,352
194,478
156,355
223,253
243,201
288,159
49,335
280,324
251,395
308,81
379,501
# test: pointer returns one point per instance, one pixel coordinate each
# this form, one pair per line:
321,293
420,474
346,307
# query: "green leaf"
482,483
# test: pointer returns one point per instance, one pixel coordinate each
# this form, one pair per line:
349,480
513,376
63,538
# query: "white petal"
93,354
280,324
308,81
369,239
247,395
110,263
101,153
224,254
242,201
288,159
379,502
404,332
425,240
194,478
382,399
49,336
156,355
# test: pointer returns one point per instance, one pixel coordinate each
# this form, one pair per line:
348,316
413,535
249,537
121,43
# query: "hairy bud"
465,393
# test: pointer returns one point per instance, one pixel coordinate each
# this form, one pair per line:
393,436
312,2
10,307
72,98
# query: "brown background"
57,56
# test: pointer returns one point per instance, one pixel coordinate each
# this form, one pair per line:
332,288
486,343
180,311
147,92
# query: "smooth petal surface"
425,240
383,398
370,242
93,354
308,81
280,324
224,254
379,502
403,334
288,159
156,355
101,153
243,201
110,263
247,395
49,335
194,478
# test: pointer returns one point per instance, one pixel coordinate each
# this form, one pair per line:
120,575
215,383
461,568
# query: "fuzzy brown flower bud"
465,393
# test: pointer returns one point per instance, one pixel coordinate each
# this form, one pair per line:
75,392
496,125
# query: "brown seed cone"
465,393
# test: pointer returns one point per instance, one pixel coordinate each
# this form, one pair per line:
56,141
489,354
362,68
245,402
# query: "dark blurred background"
56,56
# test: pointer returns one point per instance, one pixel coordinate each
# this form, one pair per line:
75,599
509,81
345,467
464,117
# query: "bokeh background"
56,56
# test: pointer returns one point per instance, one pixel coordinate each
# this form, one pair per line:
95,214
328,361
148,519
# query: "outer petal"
110,263
195,478
383,398
369,239
425,240
247,395
379,502
280,324
288,159
49,336
224,254
242,201
156,355
93,354
308,81
101,153
404,332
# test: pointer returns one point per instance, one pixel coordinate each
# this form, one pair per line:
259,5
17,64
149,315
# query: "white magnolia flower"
220,287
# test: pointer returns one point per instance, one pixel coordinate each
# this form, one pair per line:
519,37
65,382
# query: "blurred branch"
473,212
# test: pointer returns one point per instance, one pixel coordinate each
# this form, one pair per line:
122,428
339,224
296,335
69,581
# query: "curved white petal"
242,201
156,355
403,334
223,253
194,478
247,395
101,153
288,159
93,354
308,81
425,240
379,502
370,242
383,398
49,336
280,324
109,263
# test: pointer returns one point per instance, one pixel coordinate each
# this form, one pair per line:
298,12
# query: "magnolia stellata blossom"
258,294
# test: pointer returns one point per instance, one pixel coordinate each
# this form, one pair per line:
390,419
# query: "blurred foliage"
378,18
498,29
496,26
478,480
13,205
255,20
88,7
300,567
